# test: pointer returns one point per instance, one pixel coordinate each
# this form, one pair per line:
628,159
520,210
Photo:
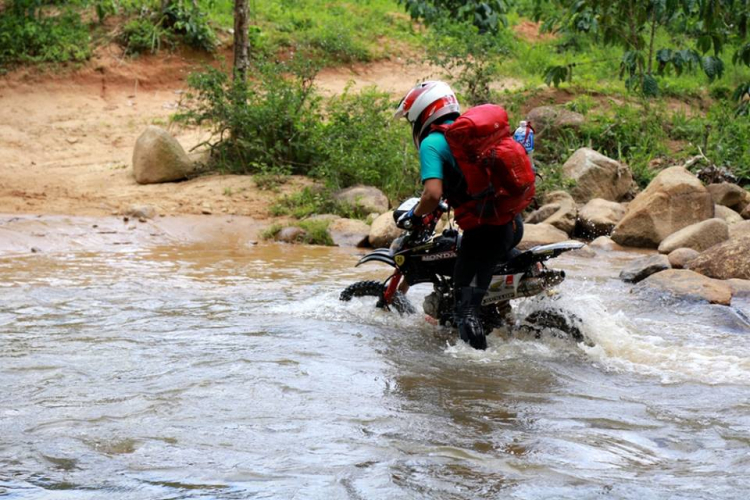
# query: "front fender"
380,255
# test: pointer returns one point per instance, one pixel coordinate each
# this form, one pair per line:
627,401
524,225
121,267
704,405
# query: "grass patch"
315,232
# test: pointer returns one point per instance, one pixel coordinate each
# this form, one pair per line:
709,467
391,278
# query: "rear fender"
380,255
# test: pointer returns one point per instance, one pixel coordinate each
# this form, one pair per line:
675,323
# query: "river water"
197,372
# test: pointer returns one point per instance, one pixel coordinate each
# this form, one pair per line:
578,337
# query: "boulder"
700,236
727,214
641,268
597,176
673,200
739,229
141,212
726,194
366,198
743,204
291,234
158,157
680,257
746,212
730,259
540,234
740,288
383,231
585,251
557,197
349,232
561,213
605,243
549,119
598,217
686,284
541,214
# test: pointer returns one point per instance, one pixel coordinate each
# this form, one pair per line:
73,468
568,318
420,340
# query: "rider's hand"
409,220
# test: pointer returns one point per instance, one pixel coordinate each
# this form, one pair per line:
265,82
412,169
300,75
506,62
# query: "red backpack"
497,169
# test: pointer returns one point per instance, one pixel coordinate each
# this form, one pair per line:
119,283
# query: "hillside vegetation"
658,82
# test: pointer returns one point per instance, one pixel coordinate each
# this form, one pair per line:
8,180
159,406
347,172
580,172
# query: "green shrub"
190,23
140,35
28,35
316,232
311,201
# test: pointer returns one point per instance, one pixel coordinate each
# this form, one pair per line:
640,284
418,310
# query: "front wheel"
372,288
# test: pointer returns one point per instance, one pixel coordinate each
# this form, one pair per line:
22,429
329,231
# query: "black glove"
409,220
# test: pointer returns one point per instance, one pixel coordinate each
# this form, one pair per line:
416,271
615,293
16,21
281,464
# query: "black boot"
468,302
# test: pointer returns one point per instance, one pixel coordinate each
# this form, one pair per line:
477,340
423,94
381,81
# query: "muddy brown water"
203,372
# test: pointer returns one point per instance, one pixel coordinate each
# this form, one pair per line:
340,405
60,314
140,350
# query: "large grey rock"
727,214
598,217
673,200
726,194
291,234
158,157
547,120
730,259
686,284
640,269
383,231
367,198
680,257
739,229
541,234
597,176
700,236
349,232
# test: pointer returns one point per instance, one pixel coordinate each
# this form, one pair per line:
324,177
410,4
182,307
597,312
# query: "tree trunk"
240,39
651,42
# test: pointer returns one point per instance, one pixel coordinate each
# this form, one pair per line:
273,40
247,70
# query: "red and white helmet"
425,104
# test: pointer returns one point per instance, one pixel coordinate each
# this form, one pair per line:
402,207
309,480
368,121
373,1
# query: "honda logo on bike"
438,256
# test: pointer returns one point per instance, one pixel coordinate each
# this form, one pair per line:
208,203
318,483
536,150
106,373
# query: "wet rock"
727,214
541,234
640,269
605,243
599,217
141,212
686,284
730,259
542,213
739,229
740,288
673,200
158,157
700,236
547,120
597,176
349,232
291,234
366,198
383,231
726,194
35,250
680,257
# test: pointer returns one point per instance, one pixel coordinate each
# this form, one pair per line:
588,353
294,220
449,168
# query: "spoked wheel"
374,288
568,324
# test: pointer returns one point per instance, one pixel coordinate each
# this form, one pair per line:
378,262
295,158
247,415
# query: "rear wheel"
372,288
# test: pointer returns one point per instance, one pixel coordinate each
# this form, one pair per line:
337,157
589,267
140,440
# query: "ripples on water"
195,373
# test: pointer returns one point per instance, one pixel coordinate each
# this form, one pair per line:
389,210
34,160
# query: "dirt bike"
419,255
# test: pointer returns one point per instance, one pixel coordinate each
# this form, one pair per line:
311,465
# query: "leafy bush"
316,232
487,15
277,123
141,35
312,201
191,24
27,35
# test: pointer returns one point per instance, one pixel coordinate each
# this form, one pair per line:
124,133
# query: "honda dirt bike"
421,256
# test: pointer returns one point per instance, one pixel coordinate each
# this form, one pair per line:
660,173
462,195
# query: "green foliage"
468,57
190,23
555,75
140,35
27,35
315,200
277,123
487,15
315,232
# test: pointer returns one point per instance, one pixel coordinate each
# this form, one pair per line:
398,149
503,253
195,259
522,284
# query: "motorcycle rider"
425,106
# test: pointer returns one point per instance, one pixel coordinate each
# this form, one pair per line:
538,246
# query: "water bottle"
524,135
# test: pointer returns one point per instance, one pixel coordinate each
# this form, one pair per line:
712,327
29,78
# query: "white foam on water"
620,345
